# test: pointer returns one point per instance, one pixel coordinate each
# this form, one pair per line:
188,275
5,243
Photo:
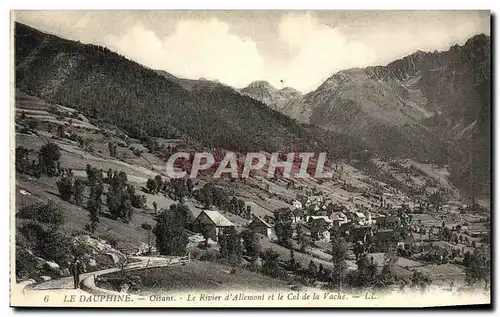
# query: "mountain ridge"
425,105
428,106
275,98
107,86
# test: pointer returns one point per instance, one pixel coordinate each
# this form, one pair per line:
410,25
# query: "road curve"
66,283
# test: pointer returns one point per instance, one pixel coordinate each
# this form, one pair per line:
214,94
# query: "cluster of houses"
379,225
357,224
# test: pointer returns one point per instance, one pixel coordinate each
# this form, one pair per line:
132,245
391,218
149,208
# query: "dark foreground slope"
109,87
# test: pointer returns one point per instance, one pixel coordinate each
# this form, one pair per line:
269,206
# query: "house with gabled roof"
338,218
384,238
320,227
356,217
297,215
211,223
259,225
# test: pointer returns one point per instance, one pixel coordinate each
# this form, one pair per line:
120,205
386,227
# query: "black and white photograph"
210,158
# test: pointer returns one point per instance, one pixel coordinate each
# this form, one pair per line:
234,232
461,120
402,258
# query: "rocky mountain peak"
263,91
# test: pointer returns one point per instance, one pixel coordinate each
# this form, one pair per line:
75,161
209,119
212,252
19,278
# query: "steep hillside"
191,84
274,98
107,86
430,106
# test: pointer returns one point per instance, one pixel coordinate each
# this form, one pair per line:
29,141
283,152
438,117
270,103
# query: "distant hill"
145,102
274,98
191,84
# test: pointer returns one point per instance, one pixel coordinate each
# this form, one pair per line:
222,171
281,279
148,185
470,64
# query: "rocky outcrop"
266,93
93,253
64,272
89,247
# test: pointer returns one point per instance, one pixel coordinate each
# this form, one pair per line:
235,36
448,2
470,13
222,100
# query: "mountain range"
145,102
431,106
274,98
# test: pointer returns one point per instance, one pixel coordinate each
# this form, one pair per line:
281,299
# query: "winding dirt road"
65,284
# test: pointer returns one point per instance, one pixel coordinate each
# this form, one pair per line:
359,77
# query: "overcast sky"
235,47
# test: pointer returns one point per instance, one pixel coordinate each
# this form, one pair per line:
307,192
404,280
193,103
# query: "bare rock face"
52,266
273,97
64,272
44,265
94,252
89,243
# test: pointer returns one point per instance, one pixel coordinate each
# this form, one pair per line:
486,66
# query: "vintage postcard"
250,158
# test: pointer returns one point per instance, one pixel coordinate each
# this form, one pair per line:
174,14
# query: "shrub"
195,253
137,152
22,241
48,156
271,267
210,256
420,280
65,187
22,159
24,263
146,226
111,240
48,213
151,186
171,239
138,201
48,243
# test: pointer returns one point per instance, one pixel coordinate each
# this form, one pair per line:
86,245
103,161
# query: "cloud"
194,49
300,48
319,51
139,44
208,49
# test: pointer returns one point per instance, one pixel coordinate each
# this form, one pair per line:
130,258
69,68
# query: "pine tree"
292,264
234,246
301,237
65,186
94,205
159,183
171,239
78,188
48,157
339,255
118,198
112,149
312,270
251,244
151,186
283,226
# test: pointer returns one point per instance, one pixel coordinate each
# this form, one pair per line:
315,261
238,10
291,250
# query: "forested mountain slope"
141,101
